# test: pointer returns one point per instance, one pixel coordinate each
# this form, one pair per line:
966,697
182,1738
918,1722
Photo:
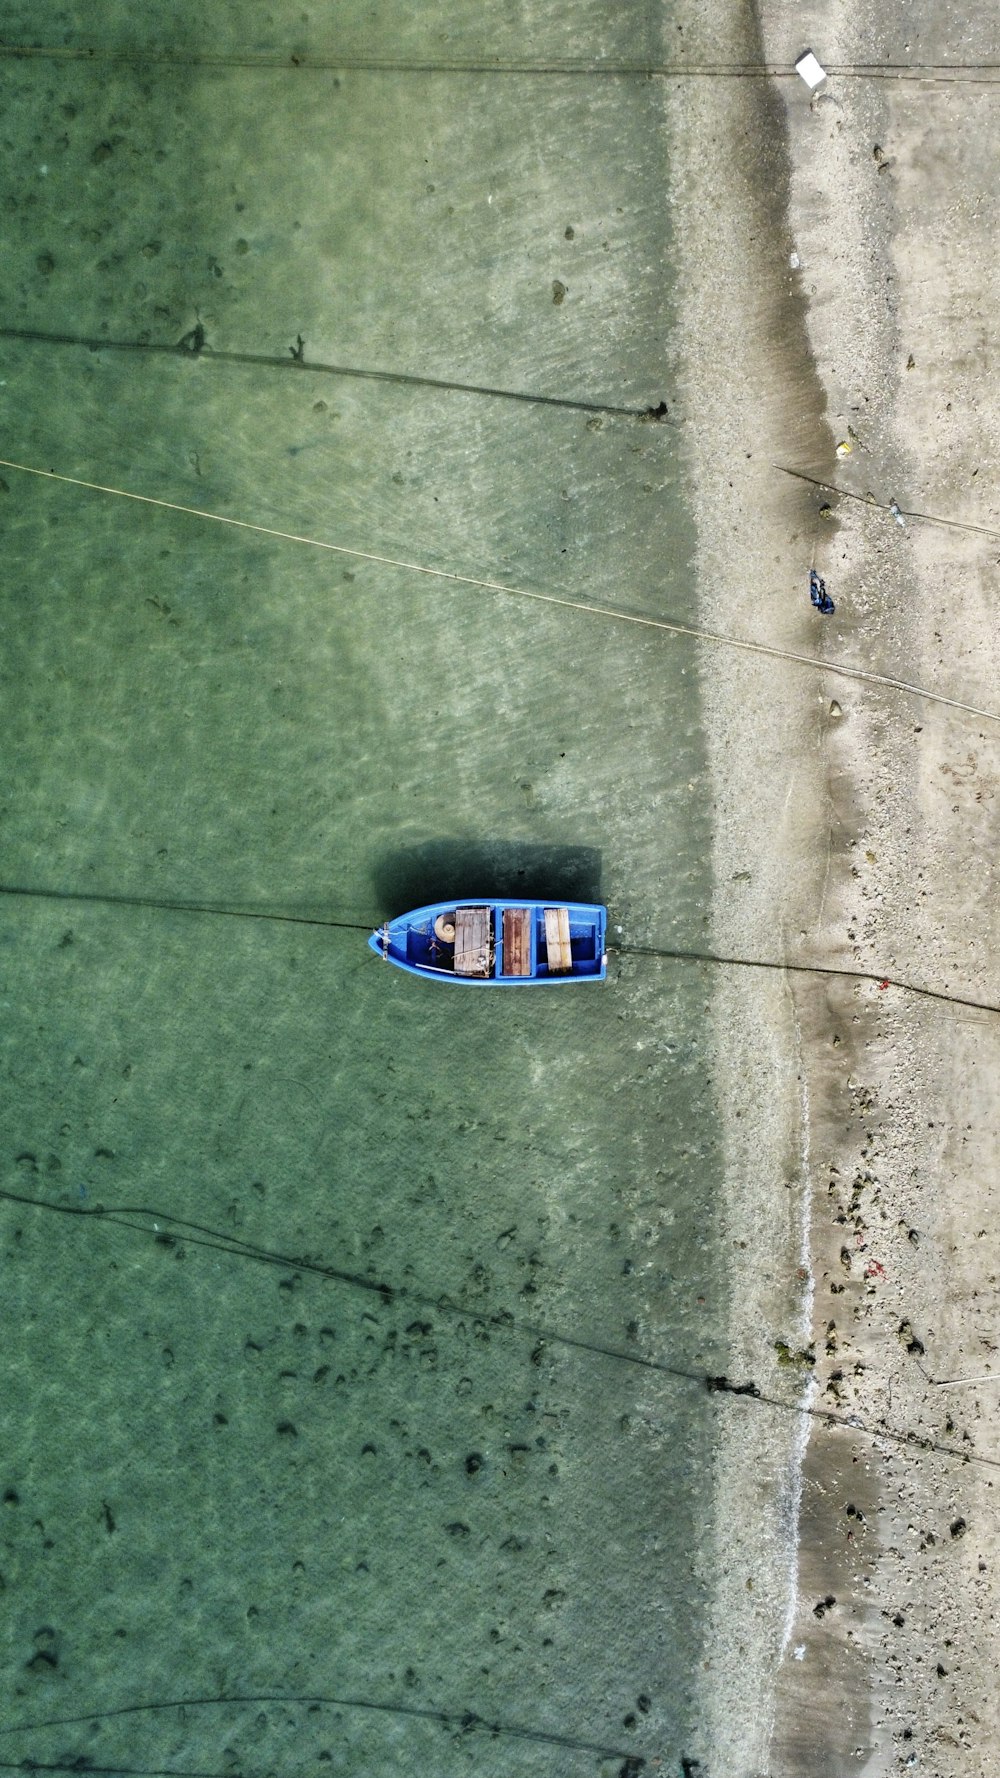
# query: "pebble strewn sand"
856,829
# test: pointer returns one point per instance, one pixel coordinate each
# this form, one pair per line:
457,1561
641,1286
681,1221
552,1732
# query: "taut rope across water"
770,650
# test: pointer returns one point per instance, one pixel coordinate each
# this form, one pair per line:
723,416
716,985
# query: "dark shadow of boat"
435,870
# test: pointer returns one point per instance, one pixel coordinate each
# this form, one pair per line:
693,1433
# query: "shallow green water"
381,1430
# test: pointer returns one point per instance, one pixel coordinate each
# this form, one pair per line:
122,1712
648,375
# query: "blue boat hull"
537,944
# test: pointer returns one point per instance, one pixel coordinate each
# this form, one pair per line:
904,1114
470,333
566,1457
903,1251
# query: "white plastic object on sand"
810,70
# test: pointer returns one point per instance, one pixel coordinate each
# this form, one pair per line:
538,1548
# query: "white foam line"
796,1466
794,1497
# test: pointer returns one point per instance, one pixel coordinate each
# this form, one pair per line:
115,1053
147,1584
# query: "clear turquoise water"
412,1423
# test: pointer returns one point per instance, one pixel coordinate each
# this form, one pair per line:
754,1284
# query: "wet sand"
855,832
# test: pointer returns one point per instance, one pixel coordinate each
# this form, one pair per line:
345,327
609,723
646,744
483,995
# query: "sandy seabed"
838,266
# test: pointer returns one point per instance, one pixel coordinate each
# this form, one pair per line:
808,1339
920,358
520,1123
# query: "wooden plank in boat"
517,941
557,942
472,941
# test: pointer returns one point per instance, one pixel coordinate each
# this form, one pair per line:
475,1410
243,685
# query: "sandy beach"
839,276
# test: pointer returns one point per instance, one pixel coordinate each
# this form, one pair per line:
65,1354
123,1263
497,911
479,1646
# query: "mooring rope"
303,62
769,650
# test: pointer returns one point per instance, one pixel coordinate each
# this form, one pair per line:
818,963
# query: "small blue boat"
498,944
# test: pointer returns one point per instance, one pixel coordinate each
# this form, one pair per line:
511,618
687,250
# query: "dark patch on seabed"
430,870
424,1486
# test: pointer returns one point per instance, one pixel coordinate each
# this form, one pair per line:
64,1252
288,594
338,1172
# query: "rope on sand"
769,650
900,512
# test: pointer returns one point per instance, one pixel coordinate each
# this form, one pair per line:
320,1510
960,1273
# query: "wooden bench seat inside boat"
472,941
517,941
557,940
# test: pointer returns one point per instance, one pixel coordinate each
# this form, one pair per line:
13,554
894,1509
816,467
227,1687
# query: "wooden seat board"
517,941
472,941
557,940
